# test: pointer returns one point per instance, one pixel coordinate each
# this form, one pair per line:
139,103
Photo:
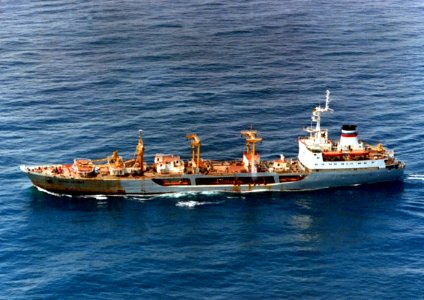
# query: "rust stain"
79,186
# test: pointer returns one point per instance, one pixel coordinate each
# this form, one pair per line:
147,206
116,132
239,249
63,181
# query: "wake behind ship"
321,163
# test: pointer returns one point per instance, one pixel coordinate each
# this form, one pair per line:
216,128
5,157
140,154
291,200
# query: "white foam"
236,197
192,203
189,204
415,177
210,193
254,191
100,197
140,198
185,194
51,193
176,195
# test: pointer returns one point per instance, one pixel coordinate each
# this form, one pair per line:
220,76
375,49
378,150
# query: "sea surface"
80,78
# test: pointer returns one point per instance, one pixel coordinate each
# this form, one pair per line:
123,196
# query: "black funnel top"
349,127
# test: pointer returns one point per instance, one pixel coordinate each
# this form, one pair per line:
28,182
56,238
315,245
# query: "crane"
195,149
140,151
251,140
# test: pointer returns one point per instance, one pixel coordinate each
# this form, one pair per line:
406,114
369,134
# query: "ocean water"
79,78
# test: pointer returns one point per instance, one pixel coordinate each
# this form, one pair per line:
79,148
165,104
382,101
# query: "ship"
321,163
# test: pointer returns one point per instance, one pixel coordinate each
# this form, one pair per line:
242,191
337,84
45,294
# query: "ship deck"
217,168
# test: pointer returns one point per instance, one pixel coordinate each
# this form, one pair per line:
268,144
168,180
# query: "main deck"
213,169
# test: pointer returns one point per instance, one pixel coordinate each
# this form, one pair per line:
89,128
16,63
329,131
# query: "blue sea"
80,78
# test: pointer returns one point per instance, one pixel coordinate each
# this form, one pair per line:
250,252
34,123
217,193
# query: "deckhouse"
317,152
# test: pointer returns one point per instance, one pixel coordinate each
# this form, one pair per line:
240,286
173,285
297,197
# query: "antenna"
327,102
316,132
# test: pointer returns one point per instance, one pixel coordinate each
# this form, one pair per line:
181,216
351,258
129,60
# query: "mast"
316,132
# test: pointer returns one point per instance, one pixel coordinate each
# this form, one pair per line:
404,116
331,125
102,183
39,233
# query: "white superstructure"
169,164
318,152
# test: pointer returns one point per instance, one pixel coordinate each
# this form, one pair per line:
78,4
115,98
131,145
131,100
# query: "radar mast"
318,135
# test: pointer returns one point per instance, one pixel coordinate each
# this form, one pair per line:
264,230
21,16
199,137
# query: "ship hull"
276,182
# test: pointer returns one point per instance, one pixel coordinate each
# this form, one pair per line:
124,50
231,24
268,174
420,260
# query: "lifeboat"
333,154
83,167
358,153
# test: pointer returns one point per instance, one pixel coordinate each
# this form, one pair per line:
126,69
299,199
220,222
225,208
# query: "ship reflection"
342,217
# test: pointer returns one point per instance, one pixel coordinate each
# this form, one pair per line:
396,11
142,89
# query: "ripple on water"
80,78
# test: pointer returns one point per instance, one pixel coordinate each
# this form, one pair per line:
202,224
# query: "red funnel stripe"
349,135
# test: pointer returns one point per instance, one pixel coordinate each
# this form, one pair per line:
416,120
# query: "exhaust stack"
349,138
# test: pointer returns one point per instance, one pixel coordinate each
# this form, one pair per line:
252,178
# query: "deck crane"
195,149
140,151
251,141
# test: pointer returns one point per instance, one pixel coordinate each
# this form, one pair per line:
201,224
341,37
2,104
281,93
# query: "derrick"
140,151
195,149
251,140
250,157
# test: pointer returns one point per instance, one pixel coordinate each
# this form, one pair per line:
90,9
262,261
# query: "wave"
236,197
192,203
415,177
52,193
186,194
138,198
97,197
